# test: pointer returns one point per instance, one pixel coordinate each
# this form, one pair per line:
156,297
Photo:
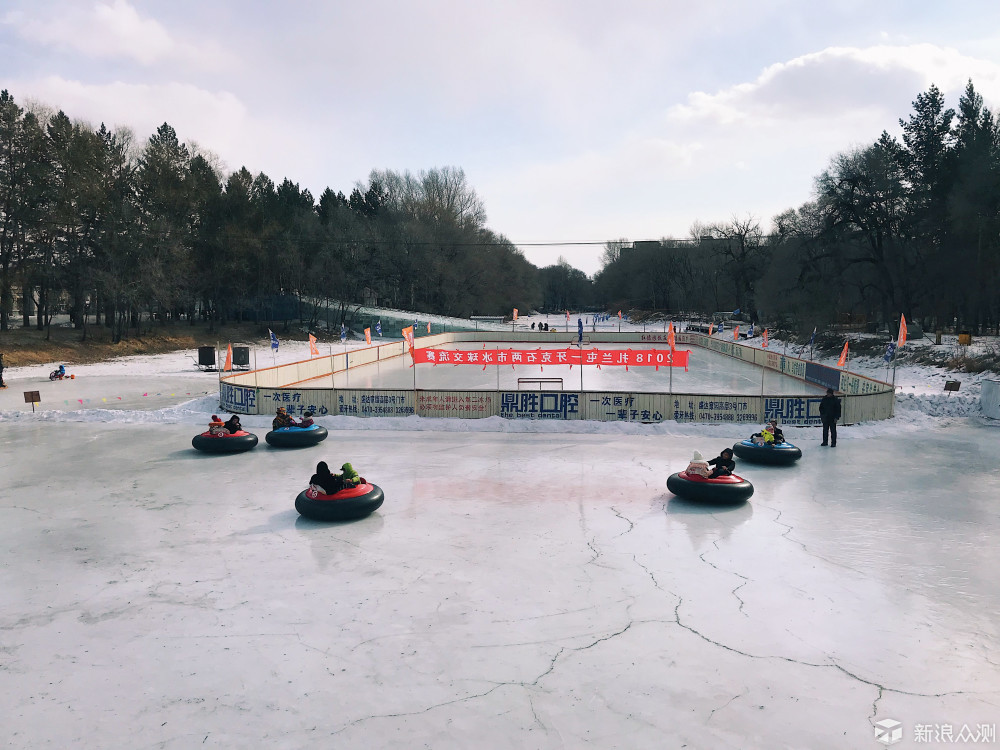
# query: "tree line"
908,226
117,233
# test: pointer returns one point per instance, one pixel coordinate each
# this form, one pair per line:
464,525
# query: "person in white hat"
698,465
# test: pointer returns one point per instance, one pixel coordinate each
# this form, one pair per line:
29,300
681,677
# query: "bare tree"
613,251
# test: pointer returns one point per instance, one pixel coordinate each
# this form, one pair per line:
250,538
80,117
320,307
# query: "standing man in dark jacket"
829,412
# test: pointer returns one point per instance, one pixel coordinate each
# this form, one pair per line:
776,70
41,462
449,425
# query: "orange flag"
901,342
670,335
408,335
428,326
764,345
736,333
313,351
843,356
515,313
619,315
229,359
368,336
711,328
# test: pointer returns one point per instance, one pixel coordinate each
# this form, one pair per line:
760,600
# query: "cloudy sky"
575,121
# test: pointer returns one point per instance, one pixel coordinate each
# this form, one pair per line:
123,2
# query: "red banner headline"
514,357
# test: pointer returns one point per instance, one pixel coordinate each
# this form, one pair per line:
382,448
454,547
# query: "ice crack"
824,665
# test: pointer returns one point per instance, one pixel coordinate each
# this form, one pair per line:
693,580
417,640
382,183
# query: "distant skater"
829,412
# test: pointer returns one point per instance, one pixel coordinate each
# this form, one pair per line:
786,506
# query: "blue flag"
274,340
378,328
343,333
736,311
750,332
579,326
889,351
812,338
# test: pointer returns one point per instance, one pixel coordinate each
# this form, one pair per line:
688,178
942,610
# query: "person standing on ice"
829,413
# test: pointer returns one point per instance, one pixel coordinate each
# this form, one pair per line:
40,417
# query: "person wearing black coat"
724,464
779,436
233,424
329,483
829,413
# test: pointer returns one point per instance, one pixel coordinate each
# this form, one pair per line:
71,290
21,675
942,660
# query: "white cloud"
754,147
838,82
218,121
143,107
115,30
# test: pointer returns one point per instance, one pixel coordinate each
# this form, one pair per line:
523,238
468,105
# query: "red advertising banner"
519,357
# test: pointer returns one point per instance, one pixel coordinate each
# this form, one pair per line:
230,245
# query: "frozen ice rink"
708,372
517,589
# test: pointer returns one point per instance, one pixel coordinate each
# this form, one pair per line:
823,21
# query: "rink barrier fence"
989,398
299,387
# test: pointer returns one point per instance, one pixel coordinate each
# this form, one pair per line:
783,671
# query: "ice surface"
528,585
708,372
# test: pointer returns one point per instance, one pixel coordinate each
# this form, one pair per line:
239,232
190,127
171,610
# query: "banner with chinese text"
600,357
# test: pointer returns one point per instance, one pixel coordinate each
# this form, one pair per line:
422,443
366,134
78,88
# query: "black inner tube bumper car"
346,505
235,443
727,489
296,437
777,454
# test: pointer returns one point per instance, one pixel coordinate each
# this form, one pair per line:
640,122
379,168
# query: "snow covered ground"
532,586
